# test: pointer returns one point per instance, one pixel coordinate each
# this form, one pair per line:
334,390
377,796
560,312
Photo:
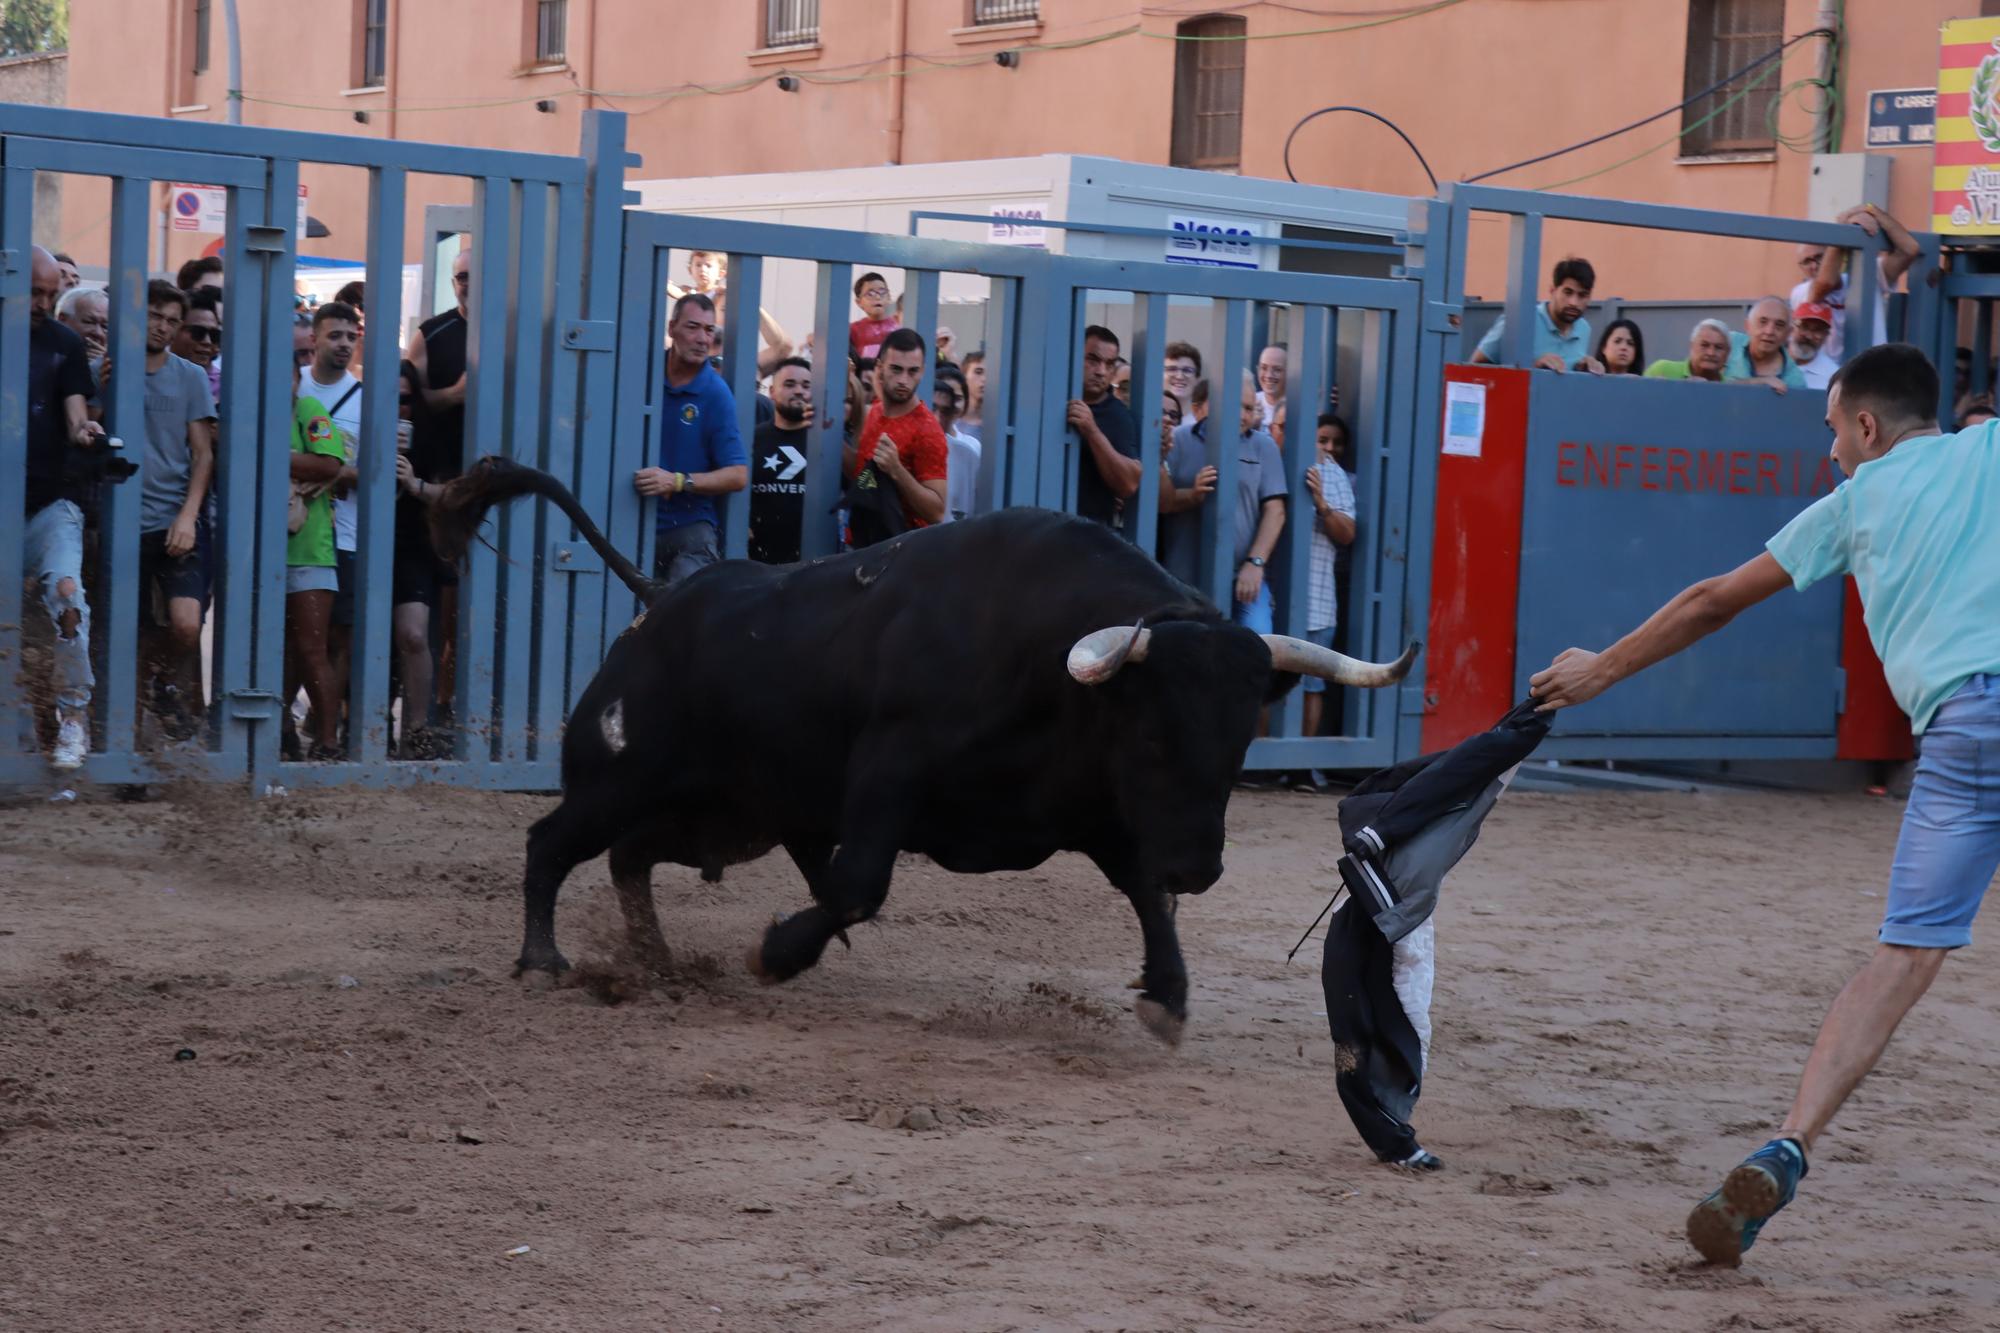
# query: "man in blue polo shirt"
1916,526
701,453
1562,334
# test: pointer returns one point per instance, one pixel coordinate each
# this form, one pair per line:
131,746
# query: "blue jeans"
1950,844
54,552
1254,615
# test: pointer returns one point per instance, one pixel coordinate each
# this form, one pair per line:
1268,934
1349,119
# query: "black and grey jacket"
1403,828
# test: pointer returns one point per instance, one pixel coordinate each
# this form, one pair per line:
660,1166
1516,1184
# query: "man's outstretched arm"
1577,676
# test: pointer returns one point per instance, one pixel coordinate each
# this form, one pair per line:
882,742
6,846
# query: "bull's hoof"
1136,983
547,966
1160,1021
754,961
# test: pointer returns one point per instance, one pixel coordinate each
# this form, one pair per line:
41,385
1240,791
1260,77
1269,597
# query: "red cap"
1814,310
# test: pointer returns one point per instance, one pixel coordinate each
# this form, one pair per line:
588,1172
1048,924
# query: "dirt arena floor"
958,1125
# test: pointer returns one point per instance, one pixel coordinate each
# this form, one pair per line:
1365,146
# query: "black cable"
1754,65
1359,111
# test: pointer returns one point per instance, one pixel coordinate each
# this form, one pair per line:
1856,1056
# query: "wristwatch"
1257,560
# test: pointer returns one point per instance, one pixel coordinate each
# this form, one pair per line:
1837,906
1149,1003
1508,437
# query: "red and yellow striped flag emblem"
1965,173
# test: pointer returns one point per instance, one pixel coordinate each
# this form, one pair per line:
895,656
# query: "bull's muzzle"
1100,654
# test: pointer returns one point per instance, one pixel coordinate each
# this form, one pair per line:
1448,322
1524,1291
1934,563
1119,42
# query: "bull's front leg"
849,890
1162,1005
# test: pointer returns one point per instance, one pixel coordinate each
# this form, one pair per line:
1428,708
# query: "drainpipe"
1830,53
899,23
590,54
234,111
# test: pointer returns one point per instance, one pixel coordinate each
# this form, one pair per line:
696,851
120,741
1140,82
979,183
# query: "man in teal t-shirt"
1918,526
1758,353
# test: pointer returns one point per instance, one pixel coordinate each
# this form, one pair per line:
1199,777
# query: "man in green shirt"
1708,353
310,578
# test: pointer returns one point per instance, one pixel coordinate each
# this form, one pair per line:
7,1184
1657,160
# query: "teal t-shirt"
1919,530
1571,347
1739,367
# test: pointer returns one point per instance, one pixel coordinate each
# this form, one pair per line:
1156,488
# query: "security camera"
787,83
1007,59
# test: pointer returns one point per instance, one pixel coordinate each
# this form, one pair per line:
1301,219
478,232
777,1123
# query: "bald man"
61,486
1758,353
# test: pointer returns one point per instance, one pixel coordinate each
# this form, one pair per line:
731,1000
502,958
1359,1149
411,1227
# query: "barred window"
1005,11
1725,35
551,31
791,22
375,44
202,20
1208,93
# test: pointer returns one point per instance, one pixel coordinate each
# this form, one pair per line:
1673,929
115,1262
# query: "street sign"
205,209
1902,118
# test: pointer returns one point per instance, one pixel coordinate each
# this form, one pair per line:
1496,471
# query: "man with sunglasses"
200,336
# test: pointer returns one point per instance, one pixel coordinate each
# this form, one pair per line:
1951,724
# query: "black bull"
955,692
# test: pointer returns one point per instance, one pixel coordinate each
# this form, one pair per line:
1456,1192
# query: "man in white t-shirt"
1825,280
1812,324
961,492
336,331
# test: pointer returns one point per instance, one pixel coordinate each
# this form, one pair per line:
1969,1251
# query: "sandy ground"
376,1115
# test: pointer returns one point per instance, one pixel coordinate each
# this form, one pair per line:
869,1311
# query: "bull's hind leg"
1162,1005
558,843
632,875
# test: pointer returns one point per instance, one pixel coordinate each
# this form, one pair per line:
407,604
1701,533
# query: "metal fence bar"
520,571
1224,433
271,248
1524,269
1019,393
746,300
18,740
561,607
239,462
996,417
485,401
368,698
1291,563
820,529
1149,341
920,291
154,133
632,444
116,632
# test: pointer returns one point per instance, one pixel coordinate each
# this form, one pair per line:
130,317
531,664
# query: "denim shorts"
1324,638
1255,615
1950,844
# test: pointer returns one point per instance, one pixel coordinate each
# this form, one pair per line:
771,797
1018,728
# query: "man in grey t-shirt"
179,460
1254,520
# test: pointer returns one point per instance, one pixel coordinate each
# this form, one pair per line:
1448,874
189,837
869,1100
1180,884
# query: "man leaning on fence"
701,451
61,486
1561,334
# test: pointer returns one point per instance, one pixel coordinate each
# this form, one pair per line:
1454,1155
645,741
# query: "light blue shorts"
1324,638
1254,616
1950,845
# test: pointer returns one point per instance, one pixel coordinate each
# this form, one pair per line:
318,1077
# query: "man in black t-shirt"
778,454
426,587
1108,468
61,487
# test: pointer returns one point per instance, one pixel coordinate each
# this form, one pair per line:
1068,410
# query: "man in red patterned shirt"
901,437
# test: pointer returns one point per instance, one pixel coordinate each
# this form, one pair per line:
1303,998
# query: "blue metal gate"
538,349
1035,330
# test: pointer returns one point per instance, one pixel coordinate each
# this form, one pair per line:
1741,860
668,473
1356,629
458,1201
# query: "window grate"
551,31
1208,94
1005,11
791,22
1725,35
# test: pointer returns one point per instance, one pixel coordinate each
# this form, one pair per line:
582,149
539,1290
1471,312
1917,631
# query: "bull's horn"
1309,659
1098,655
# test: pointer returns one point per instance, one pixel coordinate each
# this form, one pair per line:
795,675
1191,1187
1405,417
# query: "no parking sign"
205,208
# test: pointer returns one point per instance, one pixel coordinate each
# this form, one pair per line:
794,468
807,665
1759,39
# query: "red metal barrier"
1476,566
1872,727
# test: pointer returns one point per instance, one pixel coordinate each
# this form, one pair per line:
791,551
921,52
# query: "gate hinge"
590,335
253,705
259,239
1442,317
568,557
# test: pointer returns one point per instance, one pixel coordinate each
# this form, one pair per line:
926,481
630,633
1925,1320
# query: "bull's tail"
457,514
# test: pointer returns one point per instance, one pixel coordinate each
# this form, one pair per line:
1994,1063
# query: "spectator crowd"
906,461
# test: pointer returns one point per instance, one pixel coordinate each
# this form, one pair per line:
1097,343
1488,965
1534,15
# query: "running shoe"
1725,1224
